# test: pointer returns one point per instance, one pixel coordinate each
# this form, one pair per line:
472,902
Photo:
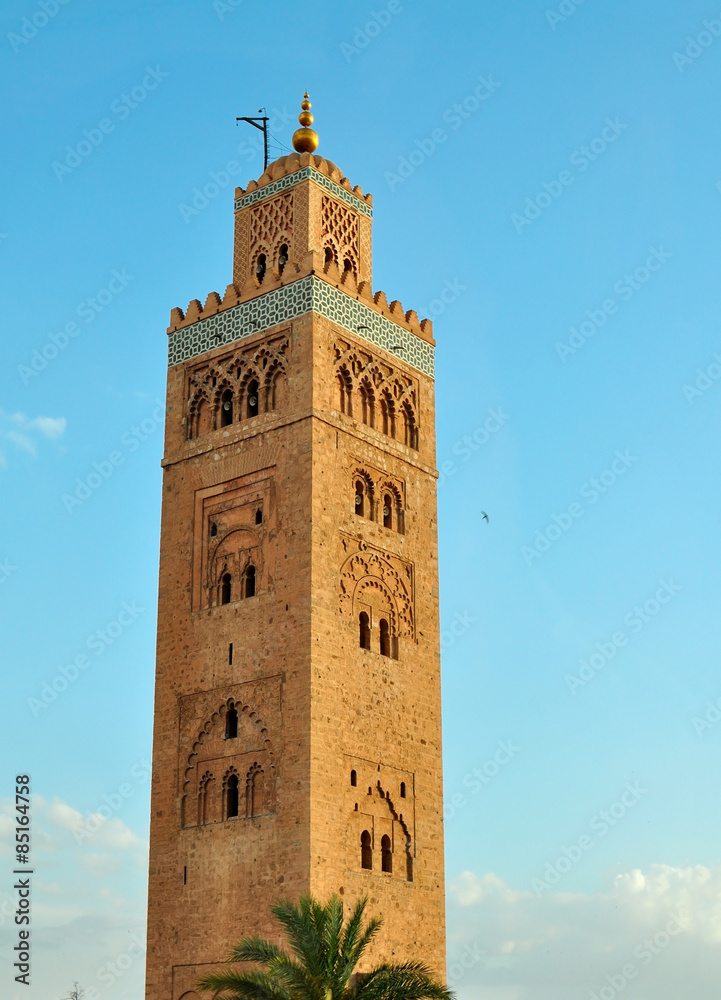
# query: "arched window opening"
226,586
403,789
282,258
231,796
365,630
368,406
231,724
255,791
345,392
348,266
259,516
249,589
213,530
253,399
260,268
385,637
386,854
388,416
410,428
387,511
359,501
353,779
226,408
366,851
329,256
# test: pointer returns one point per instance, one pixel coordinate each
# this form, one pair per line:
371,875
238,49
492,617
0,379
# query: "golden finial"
305,139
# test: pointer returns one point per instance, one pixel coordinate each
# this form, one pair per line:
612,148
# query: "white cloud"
89,900
24,432
663,924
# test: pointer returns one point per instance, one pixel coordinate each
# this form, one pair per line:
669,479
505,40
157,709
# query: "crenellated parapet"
286,166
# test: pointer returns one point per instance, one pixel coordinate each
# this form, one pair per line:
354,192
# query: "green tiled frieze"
290,180
310,294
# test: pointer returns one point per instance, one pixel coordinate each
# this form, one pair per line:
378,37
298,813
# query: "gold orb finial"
305,139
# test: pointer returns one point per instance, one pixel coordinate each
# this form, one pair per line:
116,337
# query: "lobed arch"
215,725
344,382
368,498
369,570
396,519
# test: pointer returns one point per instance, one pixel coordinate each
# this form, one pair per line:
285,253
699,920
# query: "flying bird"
484,515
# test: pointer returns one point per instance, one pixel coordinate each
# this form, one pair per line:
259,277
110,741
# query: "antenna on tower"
263,128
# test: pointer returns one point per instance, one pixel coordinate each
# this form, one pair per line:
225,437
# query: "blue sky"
580,193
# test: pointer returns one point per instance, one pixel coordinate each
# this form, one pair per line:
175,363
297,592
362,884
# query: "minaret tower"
297,736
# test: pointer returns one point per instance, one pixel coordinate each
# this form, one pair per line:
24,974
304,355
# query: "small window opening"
360,499
282,258
259,516
185,874
386,854
409,868
353,779
250,582
226,408
213,530
260,268
225,589
366,851
385,637
403,789
230,653
253,399
387,512
365,630
232,796
231,724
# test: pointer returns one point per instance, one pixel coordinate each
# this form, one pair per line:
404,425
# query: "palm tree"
326,953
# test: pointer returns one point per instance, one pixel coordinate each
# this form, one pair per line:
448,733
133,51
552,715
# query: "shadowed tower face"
297,737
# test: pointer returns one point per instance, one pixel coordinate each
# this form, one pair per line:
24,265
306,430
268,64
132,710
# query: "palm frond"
255,949
232,985
404,981
303,925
